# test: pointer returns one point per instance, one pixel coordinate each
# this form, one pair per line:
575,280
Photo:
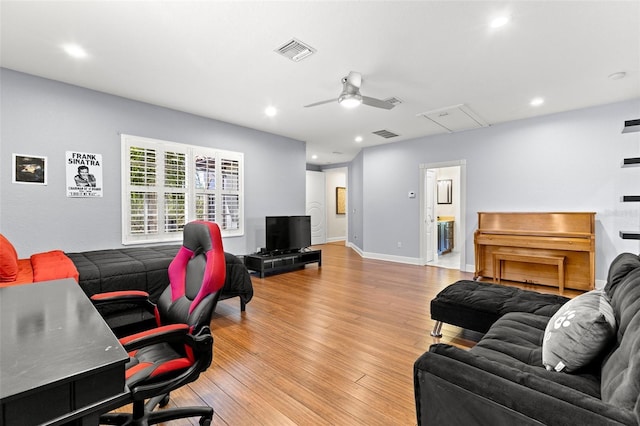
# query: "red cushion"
8,260
25,272
53,265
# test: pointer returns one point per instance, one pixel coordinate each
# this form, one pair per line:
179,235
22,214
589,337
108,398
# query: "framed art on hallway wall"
444,191
341,200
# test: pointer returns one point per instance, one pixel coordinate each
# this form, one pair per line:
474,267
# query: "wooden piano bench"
476,305
499,257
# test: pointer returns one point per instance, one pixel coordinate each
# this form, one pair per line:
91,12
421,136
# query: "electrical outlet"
399,244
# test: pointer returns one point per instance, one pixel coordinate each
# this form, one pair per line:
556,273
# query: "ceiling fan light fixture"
350,100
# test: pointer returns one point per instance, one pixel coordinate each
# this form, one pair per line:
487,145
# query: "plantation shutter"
166,185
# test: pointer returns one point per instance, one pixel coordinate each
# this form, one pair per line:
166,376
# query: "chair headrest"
200,235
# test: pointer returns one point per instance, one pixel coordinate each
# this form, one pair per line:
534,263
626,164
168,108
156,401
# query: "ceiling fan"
351,97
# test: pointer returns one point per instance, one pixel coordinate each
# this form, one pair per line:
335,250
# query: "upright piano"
567,236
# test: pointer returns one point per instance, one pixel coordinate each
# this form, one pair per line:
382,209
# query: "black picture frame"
29,169
444,188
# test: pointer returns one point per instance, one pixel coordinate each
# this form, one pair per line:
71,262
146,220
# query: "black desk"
59,361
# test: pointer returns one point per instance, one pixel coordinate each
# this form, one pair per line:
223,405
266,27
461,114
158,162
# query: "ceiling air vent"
295,50
385,134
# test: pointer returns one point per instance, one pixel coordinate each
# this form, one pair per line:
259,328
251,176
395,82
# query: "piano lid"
537,222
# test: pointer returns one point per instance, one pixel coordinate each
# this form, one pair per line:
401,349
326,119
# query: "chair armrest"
137,297
167,333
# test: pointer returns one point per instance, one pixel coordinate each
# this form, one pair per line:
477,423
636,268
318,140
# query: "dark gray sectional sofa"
502,381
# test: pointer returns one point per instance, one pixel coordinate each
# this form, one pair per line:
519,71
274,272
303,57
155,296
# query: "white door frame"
315,206
331,199
463,208
429,221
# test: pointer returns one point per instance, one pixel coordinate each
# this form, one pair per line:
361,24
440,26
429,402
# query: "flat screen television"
287,233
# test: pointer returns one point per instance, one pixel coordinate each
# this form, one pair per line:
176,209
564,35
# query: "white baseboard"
391,258
387,257
355,248
334,239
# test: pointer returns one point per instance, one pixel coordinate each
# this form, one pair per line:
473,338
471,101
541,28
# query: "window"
166,185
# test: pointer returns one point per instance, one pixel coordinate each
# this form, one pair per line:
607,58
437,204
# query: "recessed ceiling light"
500,21
536,102
358,139
617,75
75,51
270,111
314,157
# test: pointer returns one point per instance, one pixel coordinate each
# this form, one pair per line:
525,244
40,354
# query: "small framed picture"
341,200
30,169
444,191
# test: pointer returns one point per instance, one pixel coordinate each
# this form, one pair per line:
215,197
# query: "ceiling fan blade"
321,103
377,103
354,79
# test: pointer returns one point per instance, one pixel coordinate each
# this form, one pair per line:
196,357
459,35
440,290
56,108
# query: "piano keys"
570,235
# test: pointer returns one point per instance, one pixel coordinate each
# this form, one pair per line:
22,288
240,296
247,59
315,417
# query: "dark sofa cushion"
515,340
539,397
619,269
621,369
477,305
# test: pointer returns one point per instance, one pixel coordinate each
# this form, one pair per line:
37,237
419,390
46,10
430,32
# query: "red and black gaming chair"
181,346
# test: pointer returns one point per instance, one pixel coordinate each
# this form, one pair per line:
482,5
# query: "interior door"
316,206
429,218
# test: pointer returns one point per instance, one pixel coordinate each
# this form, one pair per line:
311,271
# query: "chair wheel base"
164,401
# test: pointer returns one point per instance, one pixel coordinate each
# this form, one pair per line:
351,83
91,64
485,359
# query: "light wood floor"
324,346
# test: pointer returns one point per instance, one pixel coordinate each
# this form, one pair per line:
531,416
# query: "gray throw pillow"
580,330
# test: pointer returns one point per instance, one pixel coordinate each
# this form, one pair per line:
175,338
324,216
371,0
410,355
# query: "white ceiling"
216,59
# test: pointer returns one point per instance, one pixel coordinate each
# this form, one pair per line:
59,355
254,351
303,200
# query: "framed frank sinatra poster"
84,174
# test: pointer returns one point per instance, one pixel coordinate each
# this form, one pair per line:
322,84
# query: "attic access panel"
455,118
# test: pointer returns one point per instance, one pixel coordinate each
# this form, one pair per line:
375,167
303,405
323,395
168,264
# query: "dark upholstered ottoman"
477,305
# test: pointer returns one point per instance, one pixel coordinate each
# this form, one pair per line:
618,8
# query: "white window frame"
231,221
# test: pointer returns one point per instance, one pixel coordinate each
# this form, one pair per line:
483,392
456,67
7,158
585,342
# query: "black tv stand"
273,262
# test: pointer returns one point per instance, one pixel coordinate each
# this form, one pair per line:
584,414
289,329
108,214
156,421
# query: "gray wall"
46,118
562,162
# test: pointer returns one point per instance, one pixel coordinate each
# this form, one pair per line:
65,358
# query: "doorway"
442,214
337,204
328,210
316,206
